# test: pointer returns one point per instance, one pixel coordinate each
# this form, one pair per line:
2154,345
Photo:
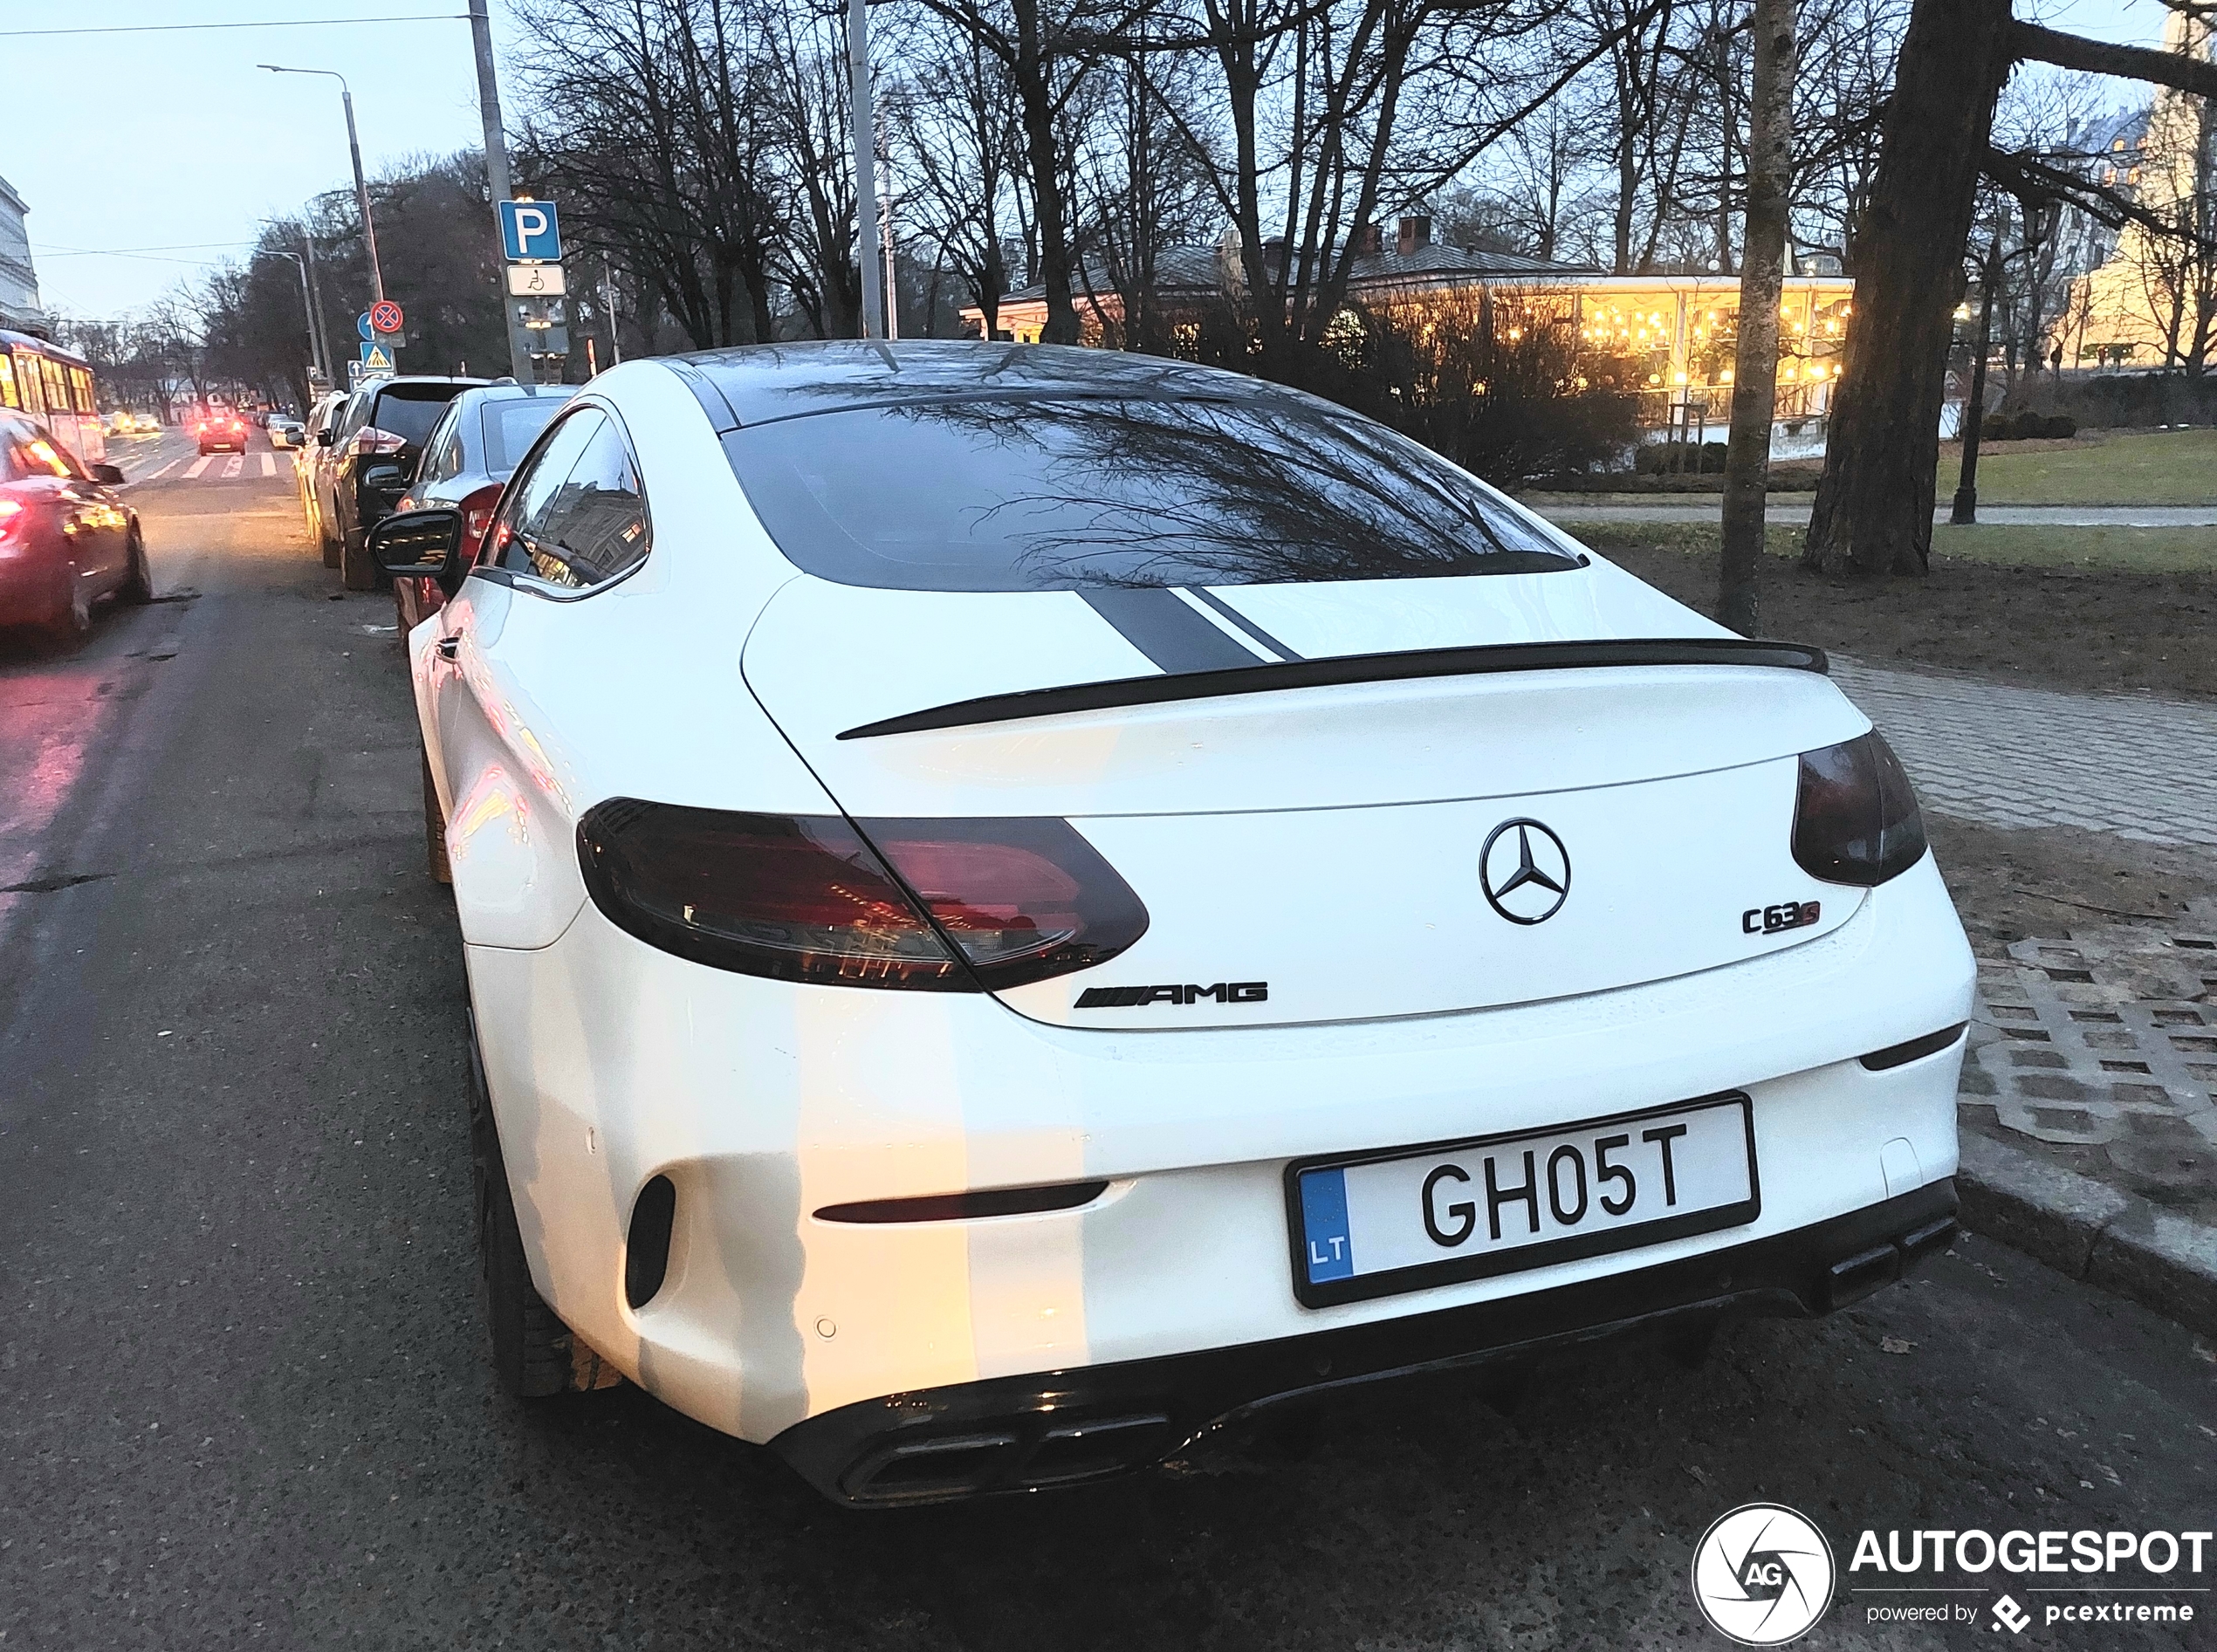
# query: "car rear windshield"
409,410
1047,494
513,424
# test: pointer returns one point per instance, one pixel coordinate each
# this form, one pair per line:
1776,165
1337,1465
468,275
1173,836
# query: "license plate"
1407,1217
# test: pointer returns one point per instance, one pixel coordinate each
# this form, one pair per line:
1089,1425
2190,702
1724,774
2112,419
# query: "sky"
146,158
171,149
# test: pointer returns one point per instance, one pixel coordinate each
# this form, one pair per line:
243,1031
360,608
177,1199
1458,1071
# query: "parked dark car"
365,461
468,458
67,539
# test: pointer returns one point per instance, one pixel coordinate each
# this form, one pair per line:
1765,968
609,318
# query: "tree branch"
2172,69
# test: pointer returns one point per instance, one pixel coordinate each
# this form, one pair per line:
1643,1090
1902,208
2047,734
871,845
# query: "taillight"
476,517
11,519
811,899
1856,819
369,439
1020,898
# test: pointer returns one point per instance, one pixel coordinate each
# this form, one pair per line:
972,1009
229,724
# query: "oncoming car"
1020,902
219,428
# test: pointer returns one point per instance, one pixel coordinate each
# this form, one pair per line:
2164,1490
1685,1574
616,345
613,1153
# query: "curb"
2087,1230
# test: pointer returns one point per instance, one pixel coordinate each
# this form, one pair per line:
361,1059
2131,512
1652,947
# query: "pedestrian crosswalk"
218,467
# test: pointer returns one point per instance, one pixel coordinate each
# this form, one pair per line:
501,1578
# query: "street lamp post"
315,306
1966,509
361,190
858,70
307,303
496,183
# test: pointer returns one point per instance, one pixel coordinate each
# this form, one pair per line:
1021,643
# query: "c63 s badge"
1171,992
1787,914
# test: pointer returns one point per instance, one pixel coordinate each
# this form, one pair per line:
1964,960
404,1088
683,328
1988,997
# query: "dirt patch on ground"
2095,630
2012,885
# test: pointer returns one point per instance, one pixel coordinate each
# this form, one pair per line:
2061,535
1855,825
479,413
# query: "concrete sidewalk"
2006,755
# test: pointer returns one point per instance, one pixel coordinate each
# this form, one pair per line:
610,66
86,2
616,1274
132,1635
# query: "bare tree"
1874,503
957,143
650,116
1755,391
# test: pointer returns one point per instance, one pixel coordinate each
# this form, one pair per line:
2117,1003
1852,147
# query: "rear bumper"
767,1105
1060,1428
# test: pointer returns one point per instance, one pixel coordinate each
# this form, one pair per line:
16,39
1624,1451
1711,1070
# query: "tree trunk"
1035,98
1762,263
1874,503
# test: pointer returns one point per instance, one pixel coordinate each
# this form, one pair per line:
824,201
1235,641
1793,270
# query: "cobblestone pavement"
2102,1048
2098,1050
2014,757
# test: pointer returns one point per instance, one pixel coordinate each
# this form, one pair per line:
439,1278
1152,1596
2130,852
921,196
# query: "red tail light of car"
370,440
476,517
14,519
944,906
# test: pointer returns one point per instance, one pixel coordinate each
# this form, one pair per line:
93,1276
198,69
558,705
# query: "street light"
315,341
361,190
519,351
864,134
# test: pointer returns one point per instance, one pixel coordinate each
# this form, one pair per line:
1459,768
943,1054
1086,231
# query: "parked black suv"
374,447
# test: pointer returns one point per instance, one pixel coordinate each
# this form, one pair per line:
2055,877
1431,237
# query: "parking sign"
530,231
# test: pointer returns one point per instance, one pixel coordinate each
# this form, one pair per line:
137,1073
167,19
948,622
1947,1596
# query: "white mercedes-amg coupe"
1023,903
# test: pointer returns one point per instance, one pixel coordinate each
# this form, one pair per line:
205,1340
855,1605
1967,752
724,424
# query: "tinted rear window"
410,411
1063,495
513,424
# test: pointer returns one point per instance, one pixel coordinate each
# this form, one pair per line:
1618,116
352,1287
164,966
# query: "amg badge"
1131,998
1787,914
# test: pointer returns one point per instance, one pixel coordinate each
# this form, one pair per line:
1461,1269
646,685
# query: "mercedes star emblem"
1525,871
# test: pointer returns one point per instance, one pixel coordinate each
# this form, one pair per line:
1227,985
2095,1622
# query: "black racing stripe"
1153,620
1243,622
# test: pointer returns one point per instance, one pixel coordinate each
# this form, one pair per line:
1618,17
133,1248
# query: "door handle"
449,646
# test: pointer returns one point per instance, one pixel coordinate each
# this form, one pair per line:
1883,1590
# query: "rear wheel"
356,571
324,543
138,576
531,1346
71,618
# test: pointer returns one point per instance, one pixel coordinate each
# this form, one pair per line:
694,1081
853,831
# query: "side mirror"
421,544
323,436
112,475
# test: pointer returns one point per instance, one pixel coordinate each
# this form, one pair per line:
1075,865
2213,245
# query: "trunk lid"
1326,849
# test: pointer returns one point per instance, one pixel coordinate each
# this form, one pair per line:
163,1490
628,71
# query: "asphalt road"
246,1397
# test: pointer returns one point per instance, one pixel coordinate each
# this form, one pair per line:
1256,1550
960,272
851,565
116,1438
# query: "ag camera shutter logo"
1762,1574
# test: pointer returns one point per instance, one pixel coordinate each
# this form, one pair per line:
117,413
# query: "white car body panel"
720,677
766,1102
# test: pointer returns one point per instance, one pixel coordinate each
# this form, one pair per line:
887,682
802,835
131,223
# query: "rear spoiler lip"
1262,678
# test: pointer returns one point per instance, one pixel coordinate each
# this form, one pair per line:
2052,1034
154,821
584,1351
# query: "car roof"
757,384
479,394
